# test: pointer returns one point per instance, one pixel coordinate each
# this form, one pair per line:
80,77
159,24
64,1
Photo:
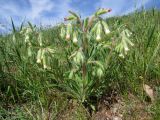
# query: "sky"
50,12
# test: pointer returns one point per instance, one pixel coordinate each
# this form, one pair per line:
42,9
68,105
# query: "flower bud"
26,38
85,23
121,55
79,58
71,17
99,72
102,11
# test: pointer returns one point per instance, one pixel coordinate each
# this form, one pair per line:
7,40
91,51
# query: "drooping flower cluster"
69,31
99,29
123,47
28,34
44,53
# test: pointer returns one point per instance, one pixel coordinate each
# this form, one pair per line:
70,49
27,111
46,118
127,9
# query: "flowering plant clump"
92,43
34,46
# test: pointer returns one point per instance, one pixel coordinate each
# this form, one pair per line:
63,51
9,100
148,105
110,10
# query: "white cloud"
34,12
39,6
36,8
48,5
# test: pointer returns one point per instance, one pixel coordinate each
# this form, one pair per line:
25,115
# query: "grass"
29,92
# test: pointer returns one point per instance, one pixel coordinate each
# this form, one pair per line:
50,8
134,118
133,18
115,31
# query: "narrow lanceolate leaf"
85,23
13,26
31,26
22,24
71,74
93,30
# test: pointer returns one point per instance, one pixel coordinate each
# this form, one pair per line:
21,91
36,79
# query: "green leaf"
13,26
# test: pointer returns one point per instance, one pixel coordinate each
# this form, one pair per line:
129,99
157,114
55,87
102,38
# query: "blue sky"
49,12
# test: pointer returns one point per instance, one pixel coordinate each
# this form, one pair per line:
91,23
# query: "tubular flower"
40,39
98,38
69,30
126,48
62,34
14,38
44,62
98,32
39,56
106,28
68,36
75,40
